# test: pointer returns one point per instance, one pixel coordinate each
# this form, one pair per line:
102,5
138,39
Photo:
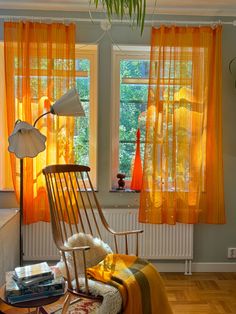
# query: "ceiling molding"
205,8
196,11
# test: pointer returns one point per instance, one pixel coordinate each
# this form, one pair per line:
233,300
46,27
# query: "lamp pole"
68,105
21,208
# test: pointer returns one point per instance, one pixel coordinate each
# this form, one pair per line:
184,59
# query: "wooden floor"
201,293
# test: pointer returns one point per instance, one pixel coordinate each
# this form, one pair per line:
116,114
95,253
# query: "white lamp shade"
26,140
68,105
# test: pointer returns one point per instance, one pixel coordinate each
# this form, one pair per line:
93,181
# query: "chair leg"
37,311
66,304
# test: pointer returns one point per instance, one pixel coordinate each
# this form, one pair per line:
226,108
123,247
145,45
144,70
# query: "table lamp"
27,141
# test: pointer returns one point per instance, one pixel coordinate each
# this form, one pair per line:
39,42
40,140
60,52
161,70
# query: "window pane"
82,65
81,138
134,68
133,100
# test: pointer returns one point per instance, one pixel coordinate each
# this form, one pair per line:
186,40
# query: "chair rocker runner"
74,209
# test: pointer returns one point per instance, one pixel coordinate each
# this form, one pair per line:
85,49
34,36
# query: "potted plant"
135,9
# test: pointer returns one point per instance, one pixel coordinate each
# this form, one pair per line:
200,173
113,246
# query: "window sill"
7,190
123,191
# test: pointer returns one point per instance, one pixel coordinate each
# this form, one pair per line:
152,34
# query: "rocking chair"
74,209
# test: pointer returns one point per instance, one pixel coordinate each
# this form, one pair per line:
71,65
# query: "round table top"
29,304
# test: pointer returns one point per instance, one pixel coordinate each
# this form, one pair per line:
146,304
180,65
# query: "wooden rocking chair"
74,208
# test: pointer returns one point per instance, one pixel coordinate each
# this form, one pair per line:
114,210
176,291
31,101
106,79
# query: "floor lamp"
27,141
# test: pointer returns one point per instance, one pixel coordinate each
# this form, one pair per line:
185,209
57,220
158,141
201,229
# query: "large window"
130,92
85,139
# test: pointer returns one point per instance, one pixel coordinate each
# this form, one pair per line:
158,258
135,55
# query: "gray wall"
210,241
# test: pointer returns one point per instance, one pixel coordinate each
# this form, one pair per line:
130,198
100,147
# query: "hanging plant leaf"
136,9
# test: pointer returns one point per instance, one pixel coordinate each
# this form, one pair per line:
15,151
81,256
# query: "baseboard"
196,267
214,267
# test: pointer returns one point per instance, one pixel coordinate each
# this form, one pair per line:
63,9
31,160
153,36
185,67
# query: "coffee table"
37,304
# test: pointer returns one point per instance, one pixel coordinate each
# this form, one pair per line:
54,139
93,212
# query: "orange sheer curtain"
39,69
5,176
183,172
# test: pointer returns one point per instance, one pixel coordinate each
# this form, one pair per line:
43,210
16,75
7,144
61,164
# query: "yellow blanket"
138,281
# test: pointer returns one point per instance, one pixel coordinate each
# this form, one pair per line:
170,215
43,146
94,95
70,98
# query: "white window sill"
114,190
7,190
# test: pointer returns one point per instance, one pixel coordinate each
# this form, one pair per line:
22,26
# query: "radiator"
38,243
156,242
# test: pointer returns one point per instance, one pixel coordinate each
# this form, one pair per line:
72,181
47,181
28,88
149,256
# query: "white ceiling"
179,7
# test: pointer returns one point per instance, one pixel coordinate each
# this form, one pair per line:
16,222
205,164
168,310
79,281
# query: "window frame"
91,52
123,52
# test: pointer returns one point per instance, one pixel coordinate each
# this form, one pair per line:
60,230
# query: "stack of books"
33,282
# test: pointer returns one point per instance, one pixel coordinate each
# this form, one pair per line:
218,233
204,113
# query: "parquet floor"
201,293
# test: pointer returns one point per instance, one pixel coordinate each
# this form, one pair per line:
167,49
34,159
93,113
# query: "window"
130,88
85,139
131,76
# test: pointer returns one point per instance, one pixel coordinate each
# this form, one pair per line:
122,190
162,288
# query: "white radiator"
156,242
38,244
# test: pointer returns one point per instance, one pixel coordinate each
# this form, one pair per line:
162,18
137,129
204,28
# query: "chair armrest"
64,248
125,232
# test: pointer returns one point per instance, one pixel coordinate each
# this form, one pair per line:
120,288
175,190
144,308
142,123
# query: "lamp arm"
44,114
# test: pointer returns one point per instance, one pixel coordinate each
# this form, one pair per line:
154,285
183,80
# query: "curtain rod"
116,21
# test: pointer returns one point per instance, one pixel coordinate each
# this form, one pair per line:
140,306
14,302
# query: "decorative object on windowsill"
136,182
27,141
232,69
121,181
135,10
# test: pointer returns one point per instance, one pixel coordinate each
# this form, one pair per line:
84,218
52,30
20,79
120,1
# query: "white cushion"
97,252
112,300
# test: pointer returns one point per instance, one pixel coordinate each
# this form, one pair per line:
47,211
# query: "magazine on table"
34,296
34,281
51,285
30,272
13,288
